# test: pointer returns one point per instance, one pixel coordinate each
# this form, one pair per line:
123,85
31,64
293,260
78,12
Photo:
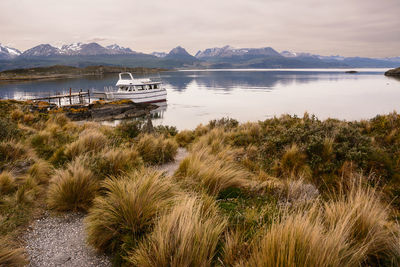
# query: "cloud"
347,27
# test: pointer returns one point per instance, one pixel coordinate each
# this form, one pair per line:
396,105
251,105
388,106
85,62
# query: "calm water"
196,97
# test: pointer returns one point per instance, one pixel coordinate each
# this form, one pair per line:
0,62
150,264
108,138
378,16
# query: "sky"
368,28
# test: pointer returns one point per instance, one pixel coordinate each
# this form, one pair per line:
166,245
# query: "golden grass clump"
297,240
59,119
371,236
187,236
9,256
114,162
185,137
89,141
128,208
17,115
157,149
205,171
7,183
72,189
41,170
293,163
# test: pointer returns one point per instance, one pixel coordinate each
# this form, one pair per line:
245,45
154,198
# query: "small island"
351,71
393,72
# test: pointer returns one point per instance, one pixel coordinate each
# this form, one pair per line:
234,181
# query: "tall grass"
9,256
116,161
7,183
41,170
204,171
185,237
157,149
127,209
185,137
89,141
72,189
360,209
298,240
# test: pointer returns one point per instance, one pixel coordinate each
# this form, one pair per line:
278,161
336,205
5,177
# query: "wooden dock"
80,95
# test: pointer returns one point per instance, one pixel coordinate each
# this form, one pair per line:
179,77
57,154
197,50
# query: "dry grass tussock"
293,164
127,209
12,151
9,256
7,183
298,240
352,229
208,172
116,161
72,189
185,137
372,238
41,171
157,149
89,141
187,236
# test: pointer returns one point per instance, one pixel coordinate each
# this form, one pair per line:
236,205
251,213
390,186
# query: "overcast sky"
346,27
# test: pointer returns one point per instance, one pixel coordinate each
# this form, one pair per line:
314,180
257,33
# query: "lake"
197,96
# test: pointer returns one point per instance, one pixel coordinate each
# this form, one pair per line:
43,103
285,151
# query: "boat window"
156,86
150,86
140,87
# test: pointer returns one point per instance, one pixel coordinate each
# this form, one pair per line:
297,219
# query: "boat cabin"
127,83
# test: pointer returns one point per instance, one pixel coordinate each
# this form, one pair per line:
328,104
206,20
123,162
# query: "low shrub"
130,129
8,130
157,149
187,236
72,189
127,209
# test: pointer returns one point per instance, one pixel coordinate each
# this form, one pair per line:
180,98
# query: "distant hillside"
83,55
60,71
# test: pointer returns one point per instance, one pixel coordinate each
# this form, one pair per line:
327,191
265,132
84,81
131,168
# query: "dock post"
59,101
88,93
70,93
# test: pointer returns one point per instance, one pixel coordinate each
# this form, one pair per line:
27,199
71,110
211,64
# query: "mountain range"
86,54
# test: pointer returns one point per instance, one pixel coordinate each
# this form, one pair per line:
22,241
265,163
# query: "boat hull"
146,96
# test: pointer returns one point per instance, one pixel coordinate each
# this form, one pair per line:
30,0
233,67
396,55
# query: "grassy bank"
286,191
60,71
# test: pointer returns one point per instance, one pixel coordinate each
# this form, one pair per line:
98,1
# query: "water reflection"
198,96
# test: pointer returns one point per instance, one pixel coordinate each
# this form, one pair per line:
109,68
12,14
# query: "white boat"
143,90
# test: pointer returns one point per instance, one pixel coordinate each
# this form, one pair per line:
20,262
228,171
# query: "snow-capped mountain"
75,49
290,54
229,51
43,50
159,54
119,49
8,52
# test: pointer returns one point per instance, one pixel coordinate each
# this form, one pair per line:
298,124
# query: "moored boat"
143,90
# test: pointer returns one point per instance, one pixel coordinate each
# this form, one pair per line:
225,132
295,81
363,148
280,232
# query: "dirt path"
171,167
61,240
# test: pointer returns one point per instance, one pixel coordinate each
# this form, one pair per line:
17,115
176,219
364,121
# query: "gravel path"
171,167
60,241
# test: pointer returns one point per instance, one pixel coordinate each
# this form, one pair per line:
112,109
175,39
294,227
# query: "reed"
10,256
